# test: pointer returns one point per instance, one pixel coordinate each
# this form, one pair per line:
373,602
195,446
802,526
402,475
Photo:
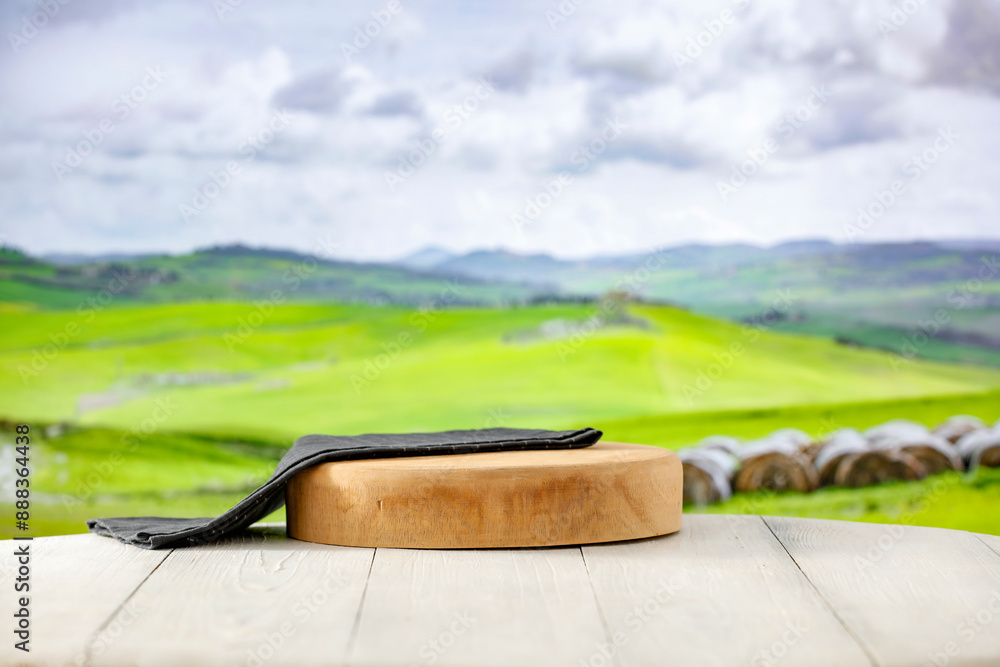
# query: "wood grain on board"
478,607
722,591
912,595
80,588
258,598
607,492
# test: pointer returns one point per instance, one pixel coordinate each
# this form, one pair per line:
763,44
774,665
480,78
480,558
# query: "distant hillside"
885,295
334,368
736,273
426,258
240,273
935,300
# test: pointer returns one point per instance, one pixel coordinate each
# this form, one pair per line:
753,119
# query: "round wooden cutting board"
604,493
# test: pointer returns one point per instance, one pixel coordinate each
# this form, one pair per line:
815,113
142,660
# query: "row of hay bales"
789,460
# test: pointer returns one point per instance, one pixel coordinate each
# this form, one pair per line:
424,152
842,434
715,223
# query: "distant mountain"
889,282
731,273
506,266
76,259
427,258
573,275
984,245
238,272
881,295
804,247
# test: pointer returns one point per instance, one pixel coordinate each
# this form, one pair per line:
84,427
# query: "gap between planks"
836,614
357,617
88,648
608,636
991,541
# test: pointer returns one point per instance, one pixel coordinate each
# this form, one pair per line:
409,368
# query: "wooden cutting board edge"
605,493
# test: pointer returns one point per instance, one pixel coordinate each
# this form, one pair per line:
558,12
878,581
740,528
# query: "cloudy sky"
574,128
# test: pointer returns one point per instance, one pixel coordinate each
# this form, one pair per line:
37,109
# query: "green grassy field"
181,408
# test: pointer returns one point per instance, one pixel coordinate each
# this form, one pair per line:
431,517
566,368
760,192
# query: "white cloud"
686,126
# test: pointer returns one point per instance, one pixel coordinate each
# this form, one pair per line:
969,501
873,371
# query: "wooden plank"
523,607
912,595
79,586
992,541
722,591
253,599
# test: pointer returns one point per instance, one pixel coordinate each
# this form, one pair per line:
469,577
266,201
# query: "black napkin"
158,532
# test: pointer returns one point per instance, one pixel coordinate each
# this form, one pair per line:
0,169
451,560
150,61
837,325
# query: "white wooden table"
725,590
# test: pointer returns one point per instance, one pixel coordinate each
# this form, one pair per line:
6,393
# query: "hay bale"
767,445
708,474
837,446
896,429
775,465
934,452
797,437
723,443
955,427
980,448
877,466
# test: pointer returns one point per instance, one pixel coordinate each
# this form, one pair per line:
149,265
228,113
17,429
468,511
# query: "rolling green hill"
179,380
239,273
875,295
349,369
181,408
882,296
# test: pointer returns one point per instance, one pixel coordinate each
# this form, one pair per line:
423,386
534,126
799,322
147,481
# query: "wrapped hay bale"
775,465
877,466
834,449
708,473
896,429
980,448
723,443
797,437
934,452
955,427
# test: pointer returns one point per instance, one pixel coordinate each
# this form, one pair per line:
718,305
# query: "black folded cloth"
157,532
